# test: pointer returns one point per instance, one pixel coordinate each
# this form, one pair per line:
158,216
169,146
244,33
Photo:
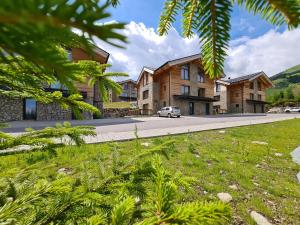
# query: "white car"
292,110
170,111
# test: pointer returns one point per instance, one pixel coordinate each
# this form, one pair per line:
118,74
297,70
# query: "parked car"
170,111
292,109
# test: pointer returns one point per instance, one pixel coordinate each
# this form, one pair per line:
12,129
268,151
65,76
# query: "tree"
210,20
33,35
97,76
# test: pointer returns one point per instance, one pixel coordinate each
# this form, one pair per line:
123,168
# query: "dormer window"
258,86
251,85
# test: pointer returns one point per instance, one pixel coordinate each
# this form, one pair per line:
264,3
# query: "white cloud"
271,52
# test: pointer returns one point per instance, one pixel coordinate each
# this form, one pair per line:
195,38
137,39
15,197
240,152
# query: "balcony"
194,98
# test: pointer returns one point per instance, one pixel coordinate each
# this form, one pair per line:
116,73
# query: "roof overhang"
145,69
222,82
265,77
256,101
177,62
101,52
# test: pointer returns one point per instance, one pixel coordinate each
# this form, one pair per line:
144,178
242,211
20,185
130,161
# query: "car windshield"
176,108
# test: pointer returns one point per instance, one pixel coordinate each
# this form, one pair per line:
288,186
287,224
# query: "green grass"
266,183
116,105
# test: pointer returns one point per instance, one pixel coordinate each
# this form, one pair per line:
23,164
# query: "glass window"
218,87
200,76
70,55
251,85
201,92
30,109
259,86
145,94
259,97
251,96
185,90
185,72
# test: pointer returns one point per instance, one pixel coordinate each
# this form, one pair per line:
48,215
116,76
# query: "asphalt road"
154,123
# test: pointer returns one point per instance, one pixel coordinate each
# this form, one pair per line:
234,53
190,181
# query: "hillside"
287,77
287,87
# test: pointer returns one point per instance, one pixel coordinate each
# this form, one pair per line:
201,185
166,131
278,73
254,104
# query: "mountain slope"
287,77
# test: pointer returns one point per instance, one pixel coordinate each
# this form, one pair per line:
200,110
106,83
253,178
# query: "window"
69,52
251,85
259,97
218,87
145,94
165,104
125,86
145,79
185,72
57,86
237,105
185,90
259,86
200,76
251,96
201,92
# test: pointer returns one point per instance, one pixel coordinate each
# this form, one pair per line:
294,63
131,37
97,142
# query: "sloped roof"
248,77
126,81
145,69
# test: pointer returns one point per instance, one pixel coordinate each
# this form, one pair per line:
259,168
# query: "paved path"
123,128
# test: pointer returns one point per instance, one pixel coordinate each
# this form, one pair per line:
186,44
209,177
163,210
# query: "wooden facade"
243,95
167,84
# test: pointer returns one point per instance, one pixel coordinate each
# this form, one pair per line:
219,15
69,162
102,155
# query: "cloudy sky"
255,44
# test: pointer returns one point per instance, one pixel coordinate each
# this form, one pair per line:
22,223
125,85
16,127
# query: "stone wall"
52,111
11,109
115,113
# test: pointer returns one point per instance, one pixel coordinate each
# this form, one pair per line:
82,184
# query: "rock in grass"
66,171
146,144
259,142
233,187
224,197
259,219
222,131
278,154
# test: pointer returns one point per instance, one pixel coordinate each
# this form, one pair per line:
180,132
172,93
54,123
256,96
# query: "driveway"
123,128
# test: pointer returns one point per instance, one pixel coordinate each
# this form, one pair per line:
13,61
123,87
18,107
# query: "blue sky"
255,44
148,12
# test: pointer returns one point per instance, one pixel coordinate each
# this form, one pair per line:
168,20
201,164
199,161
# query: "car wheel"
178,116
158,114
288,111
169,115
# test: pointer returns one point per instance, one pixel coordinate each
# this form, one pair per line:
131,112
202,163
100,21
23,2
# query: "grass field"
266,182
116,105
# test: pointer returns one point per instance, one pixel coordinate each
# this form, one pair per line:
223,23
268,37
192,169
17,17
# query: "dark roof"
179,59
126,81
242,78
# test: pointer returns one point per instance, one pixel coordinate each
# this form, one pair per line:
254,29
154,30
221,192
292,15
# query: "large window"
185,72
70,55
185,90
200,76
258,85
29,109
145,94
201,92
251,85
218,87
57,85
251,96
259,97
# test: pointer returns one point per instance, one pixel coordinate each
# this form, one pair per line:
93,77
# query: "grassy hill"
287,77
287,87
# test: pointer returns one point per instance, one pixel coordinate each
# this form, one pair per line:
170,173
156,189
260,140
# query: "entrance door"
191,108
207,109
29,109
254,108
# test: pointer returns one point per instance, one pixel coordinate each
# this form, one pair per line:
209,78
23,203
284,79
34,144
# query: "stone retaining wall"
115,113
11,109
